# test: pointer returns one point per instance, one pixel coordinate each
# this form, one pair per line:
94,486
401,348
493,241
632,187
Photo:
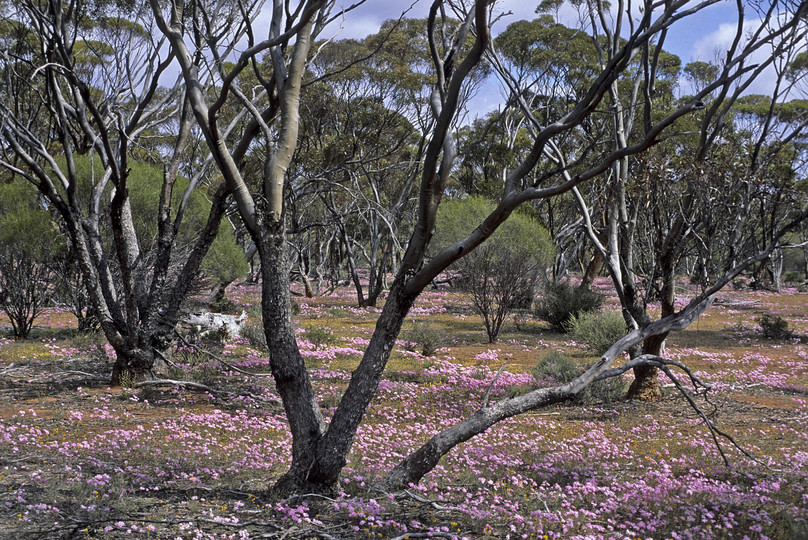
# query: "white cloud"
713,47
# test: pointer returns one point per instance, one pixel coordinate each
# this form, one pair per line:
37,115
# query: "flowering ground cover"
79,459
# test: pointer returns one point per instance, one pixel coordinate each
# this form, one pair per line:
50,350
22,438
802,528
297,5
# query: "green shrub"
555,368
519,390
423,337
30,245
793,277
320,336
501,274
739,284
205,373
597,330
774,327
561,302
253,328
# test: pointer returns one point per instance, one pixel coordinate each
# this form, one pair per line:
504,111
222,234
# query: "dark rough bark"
216,294
332,452
288,369
131,366
645,386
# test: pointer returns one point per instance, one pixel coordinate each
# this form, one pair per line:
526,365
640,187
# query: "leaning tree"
320,451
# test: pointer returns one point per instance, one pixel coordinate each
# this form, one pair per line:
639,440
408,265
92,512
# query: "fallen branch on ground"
203,387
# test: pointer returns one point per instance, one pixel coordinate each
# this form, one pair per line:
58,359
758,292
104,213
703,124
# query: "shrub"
29,245
774,327
793,277
597,330
519,390
253,329
555,368
501,274
561,302
320,336
424,337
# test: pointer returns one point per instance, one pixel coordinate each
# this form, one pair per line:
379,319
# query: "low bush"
253,328
561,302
424,338
793,277
774,327
597,330
320,336
555,368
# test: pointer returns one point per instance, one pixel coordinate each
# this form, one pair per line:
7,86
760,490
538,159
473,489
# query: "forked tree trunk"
332,452
645,386
286,363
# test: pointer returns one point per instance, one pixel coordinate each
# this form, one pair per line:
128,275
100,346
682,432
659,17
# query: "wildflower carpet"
79,459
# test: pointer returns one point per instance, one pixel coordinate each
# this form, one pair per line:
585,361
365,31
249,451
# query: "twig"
164,358
490,387
83,373
431,503
304,495
174,382
26,458
664,365
200,386
222,360
325,535
714,431
288,531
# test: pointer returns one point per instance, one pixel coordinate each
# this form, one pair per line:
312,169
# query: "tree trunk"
307,285
332,452
216,295
645,386
286,363
592,270
131,366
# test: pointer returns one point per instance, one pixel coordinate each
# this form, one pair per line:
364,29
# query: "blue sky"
689,40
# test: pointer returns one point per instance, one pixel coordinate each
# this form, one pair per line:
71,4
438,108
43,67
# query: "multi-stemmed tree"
95,87
320,451
95,107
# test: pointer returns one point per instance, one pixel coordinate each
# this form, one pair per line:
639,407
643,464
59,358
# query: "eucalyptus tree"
320,451
360,150
781,34
365,112
95,107
502,274
725,194
628,200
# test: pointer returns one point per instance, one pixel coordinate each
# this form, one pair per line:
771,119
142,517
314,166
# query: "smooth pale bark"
423,460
